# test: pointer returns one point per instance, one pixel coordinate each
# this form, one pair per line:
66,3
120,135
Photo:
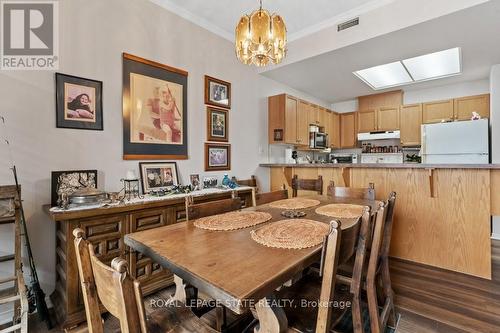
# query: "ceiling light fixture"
260,38
427,67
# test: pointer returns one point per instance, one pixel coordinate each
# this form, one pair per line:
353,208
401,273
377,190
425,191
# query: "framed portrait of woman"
78,103
217,124
154,110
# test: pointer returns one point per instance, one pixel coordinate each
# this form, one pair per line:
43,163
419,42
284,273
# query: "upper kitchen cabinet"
287,120
367,121
381,119
322,117
313,114
334,127
388,118
411,121
348,130
435,112
382,100
302,123
463,107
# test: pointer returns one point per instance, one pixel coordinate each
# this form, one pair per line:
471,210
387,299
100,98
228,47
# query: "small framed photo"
217,156
68,182
217,124
158,176
195,181
217,92
210,182
78,103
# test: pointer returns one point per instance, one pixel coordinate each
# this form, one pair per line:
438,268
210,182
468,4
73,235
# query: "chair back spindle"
329,263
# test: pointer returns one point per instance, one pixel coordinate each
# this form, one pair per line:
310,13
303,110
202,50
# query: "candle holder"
131,189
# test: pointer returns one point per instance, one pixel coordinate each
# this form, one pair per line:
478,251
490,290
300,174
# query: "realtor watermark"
29,35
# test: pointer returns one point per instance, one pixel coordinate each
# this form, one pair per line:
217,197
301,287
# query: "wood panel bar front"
449,229
105,228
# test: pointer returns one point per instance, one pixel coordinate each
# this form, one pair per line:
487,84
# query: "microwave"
318,140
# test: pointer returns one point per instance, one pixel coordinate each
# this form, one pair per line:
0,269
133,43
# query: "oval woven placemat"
346,211
294,203
291,234
232,220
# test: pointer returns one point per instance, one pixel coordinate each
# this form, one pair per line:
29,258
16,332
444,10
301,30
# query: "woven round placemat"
232,220
346,211
294,203
291,234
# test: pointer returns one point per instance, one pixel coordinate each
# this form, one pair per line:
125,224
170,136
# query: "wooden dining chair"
307,185
196,211
252,182
314,286
121,295
351,192
378,279
264,198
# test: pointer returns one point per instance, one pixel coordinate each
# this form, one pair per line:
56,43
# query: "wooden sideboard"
105,228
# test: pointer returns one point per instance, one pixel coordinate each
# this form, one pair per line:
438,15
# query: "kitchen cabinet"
463,107
327,127
322,115
380,119
367,121
313,114
302,124
335,130
435,112
388,118
348,130
411,121
288,120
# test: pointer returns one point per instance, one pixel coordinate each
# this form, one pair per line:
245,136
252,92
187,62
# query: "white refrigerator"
460,142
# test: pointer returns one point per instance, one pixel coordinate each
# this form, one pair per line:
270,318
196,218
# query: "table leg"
271,317
184,292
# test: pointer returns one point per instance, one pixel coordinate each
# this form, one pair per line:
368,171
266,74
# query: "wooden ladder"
10,214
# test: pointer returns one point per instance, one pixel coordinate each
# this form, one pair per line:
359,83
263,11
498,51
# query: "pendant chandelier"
260,38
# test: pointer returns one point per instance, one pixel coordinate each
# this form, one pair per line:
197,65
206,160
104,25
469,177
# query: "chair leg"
371,293
388,292
357,316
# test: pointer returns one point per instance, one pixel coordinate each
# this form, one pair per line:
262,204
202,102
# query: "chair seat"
301,316
176,318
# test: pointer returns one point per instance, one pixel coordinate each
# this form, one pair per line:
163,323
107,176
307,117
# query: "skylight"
422,68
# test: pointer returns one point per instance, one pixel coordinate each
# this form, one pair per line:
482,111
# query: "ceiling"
301,17
329,76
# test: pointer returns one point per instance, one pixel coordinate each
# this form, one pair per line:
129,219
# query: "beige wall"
93,35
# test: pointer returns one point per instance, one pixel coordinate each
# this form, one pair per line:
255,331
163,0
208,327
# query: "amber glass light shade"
260,38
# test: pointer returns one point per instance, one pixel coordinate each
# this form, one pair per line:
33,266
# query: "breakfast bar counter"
443,212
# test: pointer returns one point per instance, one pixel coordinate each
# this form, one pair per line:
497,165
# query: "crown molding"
204,23
196,19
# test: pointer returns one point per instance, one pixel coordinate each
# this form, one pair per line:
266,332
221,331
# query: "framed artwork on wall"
154,110
70,181
78,103
158,176
217,124
217,156
217,92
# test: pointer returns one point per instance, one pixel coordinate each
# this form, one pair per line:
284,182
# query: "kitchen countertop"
384,165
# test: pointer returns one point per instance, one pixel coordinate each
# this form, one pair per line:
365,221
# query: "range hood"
379,135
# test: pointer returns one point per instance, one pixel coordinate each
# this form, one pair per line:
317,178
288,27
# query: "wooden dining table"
233,269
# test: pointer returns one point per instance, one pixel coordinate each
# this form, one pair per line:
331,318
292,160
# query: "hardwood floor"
454,302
